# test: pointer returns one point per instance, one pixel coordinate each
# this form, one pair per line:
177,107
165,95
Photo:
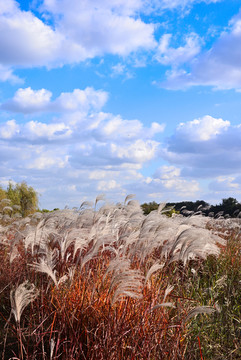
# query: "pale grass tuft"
168,291
155,267
100,197
164,304
128,283
199,310
124,281
14,254
129,197
161,207
21,297
43,267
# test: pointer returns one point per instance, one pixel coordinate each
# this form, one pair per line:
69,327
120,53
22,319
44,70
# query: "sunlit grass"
115,284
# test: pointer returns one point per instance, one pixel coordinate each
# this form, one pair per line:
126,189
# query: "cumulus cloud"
71,31
25,40
100,27
35,130
48,160
92,151
9,129
205,147
202,129
81,145
76,31
218,67
140,151
120,129
27,100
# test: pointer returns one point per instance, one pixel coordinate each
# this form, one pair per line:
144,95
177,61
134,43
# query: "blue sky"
120,97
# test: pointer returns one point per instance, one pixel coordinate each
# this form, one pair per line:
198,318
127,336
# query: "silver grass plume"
168,291
129,197
43,267
125,281
99,198
155,267
199,310
21,297
47,265
129,283
166,304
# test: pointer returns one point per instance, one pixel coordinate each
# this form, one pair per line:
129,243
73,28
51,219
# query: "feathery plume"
199,310
21,297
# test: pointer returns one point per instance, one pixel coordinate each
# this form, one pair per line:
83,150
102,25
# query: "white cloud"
139,151
167,172
35,130
48,161
25,40
69,155
81,116
9,129
202,129
85,150
101,27
119,129
218,67
107,185
82,100
6,74
79,30
168,55
225,183
71,31
29,101
166,184
205,148
169,177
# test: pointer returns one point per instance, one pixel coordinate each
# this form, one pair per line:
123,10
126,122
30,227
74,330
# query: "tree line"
23,200
229,207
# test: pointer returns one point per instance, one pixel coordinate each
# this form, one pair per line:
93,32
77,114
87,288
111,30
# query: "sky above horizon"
121,97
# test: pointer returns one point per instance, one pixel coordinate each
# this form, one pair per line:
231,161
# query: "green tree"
23,195
148,207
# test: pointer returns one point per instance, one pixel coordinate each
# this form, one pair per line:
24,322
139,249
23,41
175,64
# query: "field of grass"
115,284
